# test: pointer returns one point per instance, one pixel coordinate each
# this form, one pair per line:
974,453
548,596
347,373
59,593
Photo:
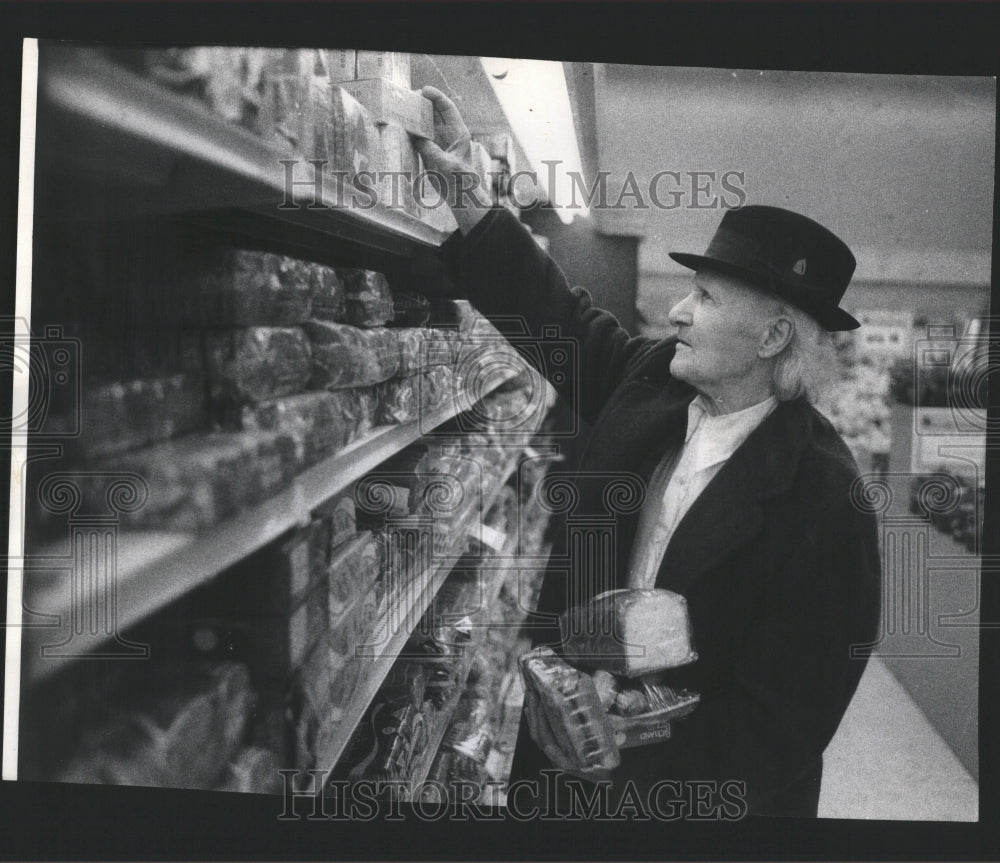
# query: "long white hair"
808,363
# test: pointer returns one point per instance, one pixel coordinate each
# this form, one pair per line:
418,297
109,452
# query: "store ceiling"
901,167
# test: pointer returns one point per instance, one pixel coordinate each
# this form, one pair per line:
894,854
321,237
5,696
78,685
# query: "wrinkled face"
719,328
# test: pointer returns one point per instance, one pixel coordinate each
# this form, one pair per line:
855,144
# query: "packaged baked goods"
643,714
629,632
421,349
257,363
327,293
242,287
341,64
321,423
117,416
393,104
347,356
355,135
392,66
339,519
177,725
409,309
295,108
195,481
352,570
397,166
309,708
572,709
368,300
227,80
436,387
398,401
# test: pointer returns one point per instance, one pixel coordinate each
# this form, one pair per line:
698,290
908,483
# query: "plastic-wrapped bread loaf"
368,299
629,632
327,293
320,422
421,349
180,726
242,288
195,481
227,80
398,401
573,709
124,415
257,363
346,356
435,387
410,309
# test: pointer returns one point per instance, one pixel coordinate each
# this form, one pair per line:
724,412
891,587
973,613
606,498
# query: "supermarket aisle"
887,761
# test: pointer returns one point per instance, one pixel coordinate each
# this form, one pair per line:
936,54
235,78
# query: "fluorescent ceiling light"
534,96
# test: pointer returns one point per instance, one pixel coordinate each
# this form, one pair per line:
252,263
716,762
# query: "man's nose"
680,314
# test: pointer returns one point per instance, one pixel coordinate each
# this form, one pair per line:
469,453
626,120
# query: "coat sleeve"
509,279
795,677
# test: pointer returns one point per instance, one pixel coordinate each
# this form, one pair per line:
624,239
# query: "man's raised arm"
505,274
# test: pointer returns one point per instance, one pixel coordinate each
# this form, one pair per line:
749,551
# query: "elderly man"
748,511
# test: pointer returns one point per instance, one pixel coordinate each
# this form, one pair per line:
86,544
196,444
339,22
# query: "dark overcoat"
778,562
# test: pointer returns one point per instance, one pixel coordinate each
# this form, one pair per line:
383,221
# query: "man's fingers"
430,151
443,106
448,123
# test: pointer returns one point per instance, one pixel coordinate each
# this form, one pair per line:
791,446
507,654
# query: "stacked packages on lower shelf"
262,667
446,709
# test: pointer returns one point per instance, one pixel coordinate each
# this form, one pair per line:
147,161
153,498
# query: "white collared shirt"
708,444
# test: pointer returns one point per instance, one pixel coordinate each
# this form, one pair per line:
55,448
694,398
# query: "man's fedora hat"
787,254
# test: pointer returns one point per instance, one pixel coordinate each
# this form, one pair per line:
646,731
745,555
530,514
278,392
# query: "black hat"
784,253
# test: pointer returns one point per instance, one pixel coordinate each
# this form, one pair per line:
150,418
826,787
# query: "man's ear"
776,337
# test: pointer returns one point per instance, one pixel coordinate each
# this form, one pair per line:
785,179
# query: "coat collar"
728,513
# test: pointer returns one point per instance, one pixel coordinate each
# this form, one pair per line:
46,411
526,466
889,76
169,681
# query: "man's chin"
678,368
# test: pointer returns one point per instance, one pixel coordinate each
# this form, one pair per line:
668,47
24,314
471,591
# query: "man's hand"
456,165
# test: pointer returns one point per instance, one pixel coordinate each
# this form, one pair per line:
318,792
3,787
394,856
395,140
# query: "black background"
63,821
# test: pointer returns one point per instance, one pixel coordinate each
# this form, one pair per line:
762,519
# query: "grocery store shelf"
155,568
121,128
398,623
419,773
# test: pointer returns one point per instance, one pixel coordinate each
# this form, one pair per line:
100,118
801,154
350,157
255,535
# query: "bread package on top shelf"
346,356
397,167
257,363
392,66
296,106
391,103
341,64
355,137
242,288
227,80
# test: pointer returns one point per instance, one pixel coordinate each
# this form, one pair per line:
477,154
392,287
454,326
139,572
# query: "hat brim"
830,318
